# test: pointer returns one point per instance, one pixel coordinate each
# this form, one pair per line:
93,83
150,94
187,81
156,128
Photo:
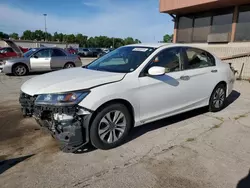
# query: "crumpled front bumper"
68,125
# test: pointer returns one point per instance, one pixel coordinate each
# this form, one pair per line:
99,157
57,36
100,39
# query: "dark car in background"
85,52
97,52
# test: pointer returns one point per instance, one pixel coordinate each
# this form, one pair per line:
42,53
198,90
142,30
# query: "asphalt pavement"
197,149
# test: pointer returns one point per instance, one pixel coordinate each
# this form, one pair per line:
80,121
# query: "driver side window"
170,59
43,53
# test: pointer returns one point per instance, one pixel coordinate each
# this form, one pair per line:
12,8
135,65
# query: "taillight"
233,70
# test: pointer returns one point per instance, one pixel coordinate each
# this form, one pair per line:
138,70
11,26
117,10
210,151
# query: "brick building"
209,21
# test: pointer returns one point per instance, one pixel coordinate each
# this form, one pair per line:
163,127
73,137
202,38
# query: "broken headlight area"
67,124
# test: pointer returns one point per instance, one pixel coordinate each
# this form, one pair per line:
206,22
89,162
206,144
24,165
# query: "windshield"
29,53
125,59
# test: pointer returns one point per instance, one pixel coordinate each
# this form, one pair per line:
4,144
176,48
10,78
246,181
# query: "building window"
222,23
197,27
201,29
185,29
243,24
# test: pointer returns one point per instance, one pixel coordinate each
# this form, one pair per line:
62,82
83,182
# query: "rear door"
200,76
40,61
58,59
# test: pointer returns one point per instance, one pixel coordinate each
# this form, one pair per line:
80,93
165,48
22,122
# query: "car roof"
158,45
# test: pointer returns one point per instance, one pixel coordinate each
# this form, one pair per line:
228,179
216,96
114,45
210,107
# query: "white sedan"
130,86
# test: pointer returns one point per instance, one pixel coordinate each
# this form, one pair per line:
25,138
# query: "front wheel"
218,98
20,70
110,127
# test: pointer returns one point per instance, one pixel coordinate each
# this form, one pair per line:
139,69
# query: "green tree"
71,38
129,40
39,35
81,40
91,42
137,41
4,35
14,36
168,38
28,35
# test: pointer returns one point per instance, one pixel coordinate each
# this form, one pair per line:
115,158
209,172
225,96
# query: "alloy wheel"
20,70
219,97
112,126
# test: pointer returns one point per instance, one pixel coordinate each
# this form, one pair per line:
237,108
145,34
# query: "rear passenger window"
197,58
58,53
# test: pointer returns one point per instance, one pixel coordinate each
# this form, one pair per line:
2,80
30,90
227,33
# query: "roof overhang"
192,6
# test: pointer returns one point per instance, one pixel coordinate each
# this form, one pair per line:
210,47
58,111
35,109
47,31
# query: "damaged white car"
130,86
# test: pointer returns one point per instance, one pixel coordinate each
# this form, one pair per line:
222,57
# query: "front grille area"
27,103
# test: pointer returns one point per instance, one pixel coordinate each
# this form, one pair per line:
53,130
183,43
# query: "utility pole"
45,29
113,43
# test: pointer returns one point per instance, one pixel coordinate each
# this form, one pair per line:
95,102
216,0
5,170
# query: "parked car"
41,59
12,51
130,86
85,52
71,50
97,52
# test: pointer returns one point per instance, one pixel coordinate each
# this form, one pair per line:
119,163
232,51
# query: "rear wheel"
110,127
20,70
69,65
218,98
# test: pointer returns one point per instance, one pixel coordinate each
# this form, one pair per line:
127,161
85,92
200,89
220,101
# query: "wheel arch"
221,82
115,101
19,63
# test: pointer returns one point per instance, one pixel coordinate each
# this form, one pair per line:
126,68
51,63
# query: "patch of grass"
220,118
240,116
3,157
190,139
216,126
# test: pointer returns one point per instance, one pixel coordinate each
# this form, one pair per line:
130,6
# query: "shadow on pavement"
141,130
7,164
245,182
86,149
231,98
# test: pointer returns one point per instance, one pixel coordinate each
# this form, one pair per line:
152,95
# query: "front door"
164,95
40,61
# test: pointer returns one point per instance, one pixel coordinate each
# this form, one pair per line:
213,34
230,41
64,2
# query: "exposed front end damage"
67,124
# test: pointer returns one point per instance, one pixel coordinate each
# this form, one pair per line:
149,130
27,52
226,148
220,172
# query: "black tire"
219,96
69,65
20,70
96,124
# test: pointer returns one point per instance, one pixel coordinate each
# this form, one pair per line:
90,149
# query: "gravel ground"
197,149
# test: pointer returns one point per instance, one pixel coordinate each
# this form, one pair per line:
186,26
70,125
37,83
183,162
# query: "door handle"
185,78
214,71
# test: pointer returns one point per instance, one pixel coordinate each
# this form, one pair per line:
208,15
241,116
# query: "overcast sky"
119,18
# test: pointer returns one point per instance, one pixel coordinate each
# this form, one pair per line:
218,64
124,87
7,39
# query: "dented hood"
69,80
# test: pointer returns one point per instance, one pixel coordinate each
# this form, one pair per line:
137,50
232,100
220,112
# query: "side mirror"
156,71
35,56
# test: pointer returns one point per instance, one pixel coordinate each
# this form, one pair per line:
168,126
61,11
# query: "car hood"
13,46
69,80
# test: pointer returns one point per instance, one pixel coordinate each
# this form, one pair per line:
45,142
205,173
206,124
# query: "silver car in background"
41,59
